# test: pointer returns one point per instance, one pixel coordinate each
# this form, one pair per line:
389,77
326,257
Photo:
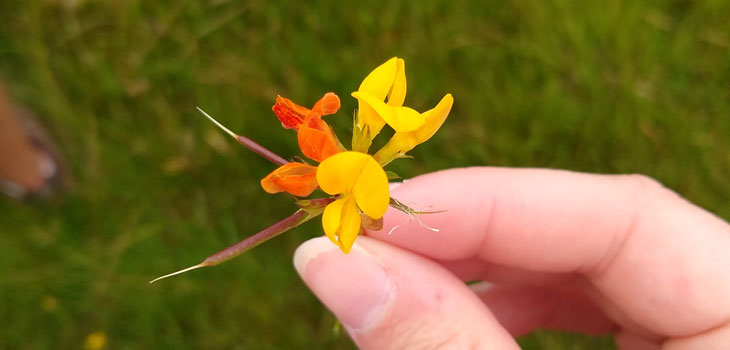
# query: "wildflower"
49,303
404,141
95,341
355,181
361,184
295,178
411,128
316,140
386,82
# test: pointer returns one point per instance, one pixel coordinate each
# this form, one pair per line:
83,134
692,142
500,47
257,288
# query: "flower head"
404,141
295,178
95,341
355,180
316,141
361,184
384,86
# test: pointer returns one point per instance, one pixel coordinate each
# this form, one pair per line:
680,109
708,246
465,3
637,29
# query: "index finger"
663,260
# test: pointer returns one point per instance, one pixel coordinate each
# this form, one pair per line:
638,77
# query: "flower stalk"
252,145
308,210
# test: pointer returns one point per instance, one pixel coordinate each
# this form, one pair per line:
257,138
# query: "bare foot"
28,161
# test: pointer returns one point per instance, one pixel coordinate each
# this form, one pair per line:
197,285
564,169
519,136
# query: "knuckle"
646,187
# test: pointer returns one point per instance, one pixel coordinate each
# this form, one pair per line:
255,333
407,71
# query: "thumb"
388,298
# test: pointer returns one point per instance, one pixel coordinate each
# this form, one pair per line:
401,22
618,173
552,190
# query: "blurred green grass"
618,87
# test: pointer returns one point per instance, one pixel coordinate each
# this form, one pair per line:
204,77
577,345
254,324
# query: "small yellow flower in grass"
402,142
361,184
49,303
95,341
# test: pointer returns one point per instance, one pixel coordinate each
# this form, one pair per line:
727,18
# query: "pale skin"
561,250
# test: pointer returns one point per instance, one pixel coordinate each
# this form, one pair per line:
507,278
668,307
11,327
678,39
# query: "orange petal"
328,104
295,178
316,140
291,115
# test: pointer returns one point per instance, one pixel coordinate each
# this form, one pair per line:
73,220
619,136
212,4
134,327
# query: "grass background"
617,87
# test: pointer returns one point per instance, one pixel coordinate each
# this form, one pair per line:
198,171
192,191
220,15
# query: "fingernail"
355,286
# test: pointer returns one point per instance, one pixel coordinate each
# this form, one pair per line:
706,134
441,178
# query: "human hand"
561,250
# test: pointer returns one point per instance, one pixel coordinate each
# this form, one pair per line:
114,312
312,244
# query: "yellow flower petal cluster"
355,179
358,179
386,82
404,141
380,101
361,184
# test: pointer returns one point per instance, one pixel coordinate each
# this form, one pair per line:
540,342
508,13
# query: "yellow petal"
434,118
359,174
371,190
349,225
341,222
380,80
331,219
402,142
337,174
401,119
387,80
367,116
398,92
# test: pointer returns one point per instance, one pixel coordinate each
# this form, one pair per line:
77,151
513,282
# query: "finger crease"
622,237
719,328
487,228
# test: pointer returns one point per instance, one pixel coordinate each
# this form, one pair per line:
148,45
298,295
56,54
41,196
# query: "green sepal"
392,175
361,139
314,206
